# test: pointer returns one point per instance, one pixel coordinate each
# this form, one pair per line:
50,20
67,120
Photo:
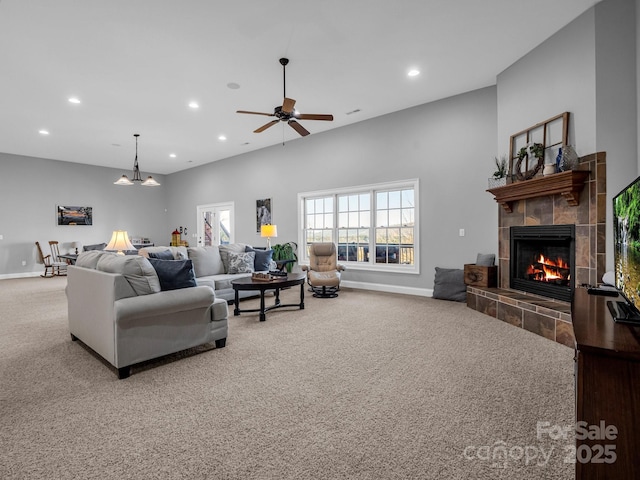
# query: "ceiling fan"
285,112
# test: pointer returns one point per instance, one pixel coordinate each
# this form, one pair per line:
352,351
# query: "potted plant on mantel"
499,178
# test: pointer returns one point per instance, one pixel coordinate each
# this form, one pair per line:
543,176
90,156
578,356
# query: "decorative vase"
559,160
549,169
569,158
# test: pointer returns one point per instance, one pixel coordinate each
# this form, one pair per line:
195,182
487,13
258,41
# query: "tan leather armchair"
323,271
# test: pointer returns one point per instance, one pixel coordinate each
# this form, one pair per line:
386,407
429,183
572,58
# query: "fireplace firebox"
542,260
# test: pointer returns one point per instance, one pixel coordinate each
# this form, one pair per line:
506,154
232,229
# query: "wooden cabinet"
607,391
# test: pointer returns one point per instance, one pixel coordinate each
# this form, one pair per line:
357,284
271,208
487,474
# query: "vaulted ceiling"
135,66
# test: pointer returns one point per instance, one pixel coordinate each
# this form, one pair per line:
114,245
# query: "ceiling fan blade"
287,105
298,128
255,113
265,126
314,116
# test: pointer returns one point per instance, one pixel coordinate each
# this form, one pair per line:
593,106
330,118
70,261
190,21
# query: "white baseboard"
379,287
7,276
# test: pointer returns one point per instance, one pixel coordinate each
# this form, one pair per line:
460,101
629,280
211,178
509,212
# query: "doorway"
215,224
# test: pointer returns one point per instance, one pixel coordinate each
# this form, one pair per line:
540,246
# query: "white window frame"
372,189
215,208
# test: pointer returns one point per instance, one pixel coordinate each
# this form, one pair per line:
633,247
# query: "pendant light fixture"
124,180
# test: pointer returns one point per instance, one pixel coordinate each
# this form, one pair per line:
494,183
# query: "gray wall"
588,69
448,145
32,188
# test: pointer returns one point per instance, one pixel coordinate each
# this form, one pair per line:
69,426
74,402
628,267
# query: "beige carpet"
364,386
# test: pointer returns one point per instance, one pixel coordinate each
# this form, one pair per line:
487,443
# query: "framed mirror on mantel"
552,134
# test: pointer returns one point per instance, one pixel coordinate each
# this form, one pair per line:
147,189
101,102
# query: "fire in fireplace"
542,260
545,269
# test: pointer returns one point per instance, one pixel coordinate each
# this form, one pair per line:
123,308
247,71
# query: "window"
374,227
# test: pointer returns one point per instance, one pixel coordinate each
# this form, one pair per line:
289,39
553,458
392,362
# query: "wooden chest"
481,276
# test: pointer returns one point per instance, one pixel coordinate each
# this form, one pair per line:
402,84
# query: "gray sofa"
214,266
117,308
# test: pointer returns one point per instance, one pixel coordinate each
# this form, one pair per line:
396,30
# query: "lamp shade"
119,242
269,231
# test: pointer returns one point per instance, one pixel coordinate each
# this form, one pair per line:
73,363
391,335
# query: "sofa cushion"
262,262
162,255
226,249
135,268
449,284
206,260
89,258
241,262
174,274
223,281
179,252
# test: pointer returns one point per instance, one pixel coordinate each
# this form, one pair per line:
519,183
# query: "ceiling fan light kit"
124,180
286,112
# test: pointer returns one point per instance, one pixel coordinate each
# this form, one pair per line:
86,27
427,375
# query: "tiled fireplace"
567,206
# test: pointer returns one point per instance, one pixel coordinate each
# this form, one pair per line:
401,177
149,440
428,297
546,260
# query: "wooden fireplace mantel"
568,184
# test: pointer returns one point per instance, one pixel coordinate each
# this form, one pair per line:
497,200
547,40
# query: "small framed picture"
74,215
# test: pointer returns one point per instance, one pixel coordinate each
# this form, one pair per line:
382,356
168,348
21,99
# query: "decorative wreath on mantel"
537,150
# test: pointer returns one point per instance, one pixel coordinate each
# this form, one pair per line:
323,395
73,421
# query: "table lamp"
75,245
119,242
268,231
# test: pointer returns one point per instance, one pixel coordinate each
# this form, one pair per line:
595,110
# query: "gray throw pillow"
174,274
485,259
241,262
95,246
449,284
226,249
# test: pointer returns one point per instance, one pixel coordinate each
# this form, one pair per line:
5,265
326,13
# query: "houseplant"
285,251
499,178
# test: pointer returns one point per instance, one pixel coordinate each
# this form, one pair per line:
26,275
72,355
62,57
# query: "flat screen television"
626,242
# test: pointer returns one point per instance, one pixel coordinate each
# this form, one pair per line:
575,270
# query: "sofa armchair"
117,308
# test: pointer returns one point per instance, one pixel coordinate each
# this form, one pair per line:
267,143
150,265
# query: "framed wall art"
263,213
74,215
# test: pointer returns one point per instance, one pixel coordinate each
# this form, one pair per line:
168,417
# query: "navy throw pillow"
174,274
163,255
262,262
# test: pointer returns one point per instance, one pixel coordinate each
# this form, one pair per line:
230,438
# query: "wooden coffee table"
247,283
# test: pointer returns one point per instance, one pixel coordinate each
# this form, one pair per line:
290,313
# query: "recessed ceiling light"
172,155
43,132
413,73
233,85
222,138
194,105
74,100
